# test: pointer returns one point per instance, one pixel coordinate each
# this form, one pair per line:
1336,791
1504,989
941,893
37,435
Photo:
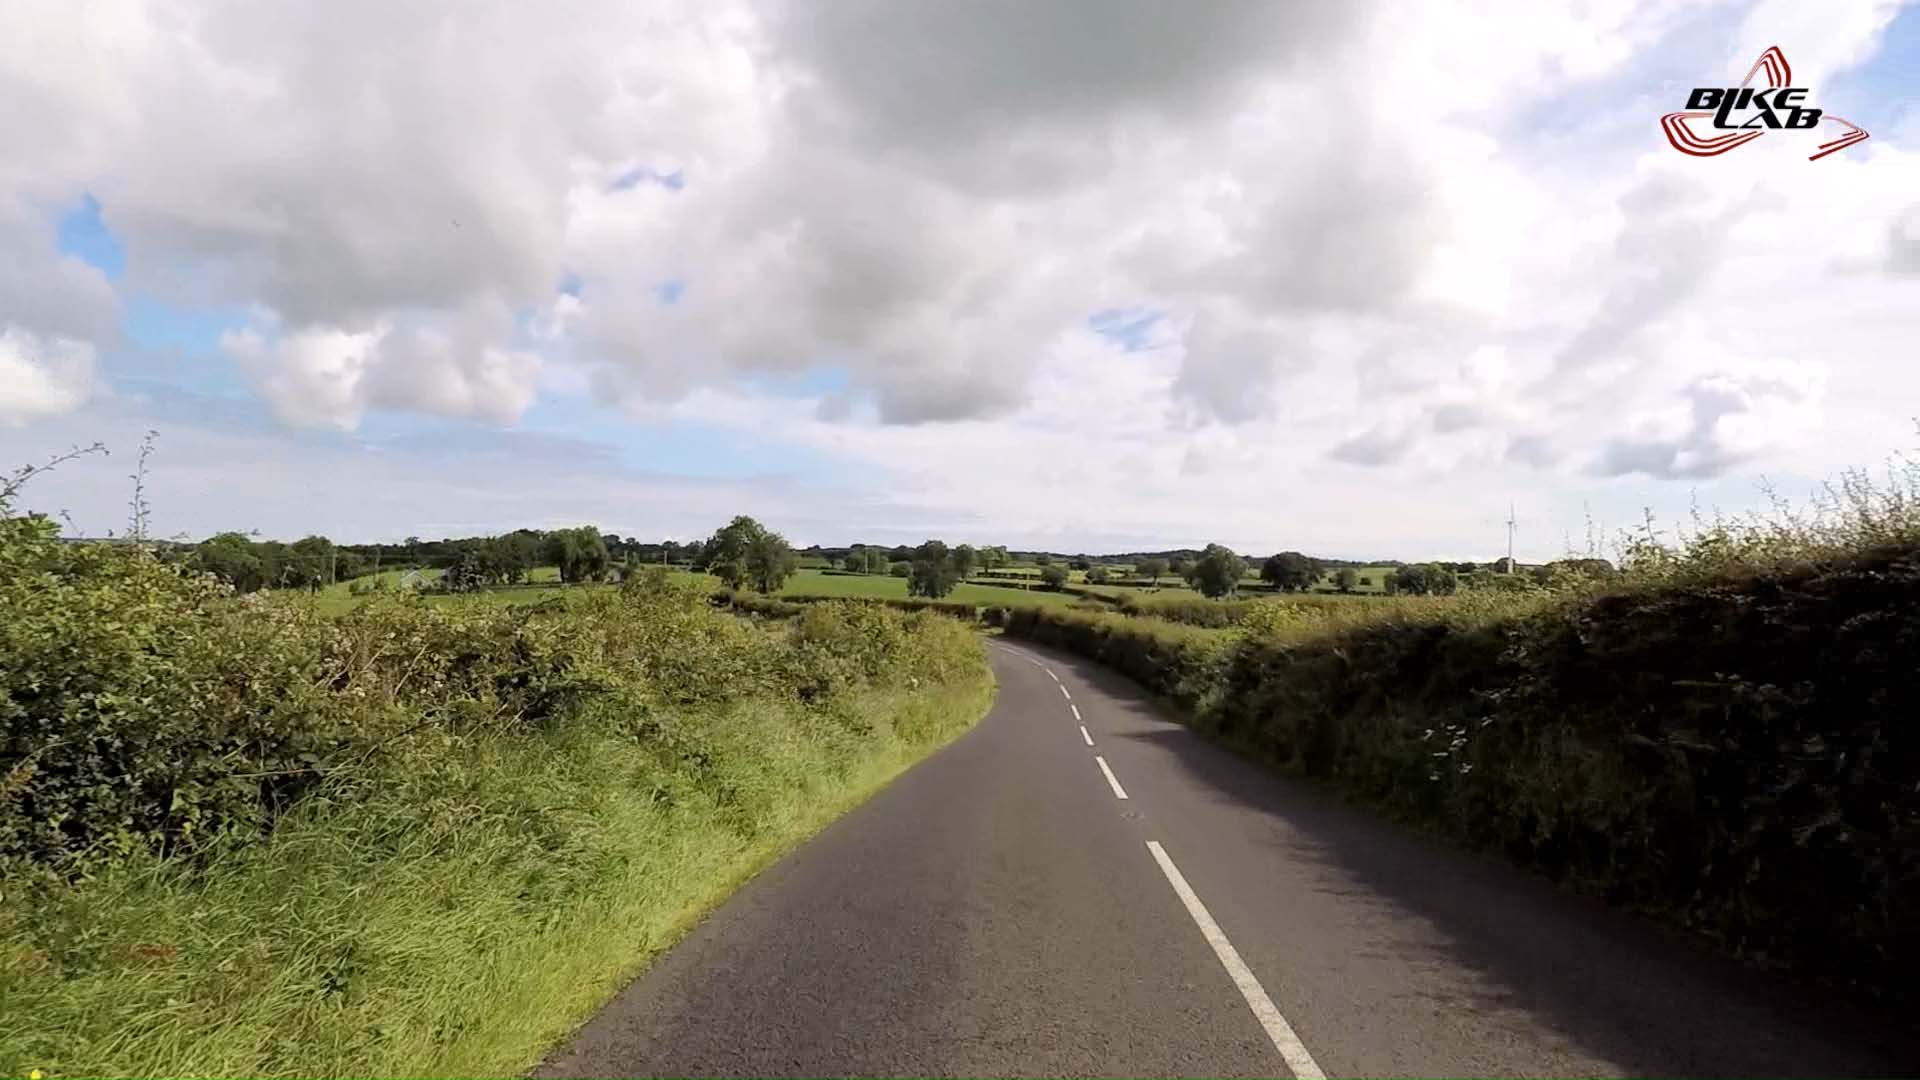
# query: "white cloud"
1382,242
1722,420
325,376
41,377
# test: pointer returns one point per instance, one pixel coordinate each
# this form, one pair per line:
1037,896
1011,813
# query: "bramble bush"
1730,748
241,837
146,708
1719,733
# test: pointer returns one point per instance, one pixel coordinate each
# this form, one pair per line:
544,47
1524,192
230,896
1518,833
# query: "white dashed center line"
1118,791
1281,1032
1089,738
1064,694
1076,710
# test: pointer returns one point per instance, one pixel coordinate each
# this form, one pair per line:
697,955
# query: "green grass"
877,586
1376,575
805,582
459,926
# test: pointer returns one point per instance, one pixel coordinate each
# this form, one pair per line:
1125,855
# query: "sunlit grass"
459,923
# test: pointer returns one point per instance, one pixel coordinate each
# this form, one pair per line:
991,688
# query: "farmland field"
544,586
816,583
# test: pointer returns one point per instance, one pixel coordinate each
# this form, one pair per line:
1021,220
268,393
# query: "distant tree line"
745,554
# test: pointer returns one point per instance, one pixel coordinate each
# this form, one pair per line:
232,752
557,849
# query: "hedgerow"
1732,750
241,837
147,708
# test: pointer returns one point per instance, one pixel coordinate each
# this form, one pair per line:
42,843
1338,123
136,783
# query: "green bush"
1734,751
1173,661
145,707
240,837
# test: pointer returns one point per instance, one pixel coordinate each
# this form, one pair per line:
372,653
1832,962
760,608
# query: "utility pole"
1510,525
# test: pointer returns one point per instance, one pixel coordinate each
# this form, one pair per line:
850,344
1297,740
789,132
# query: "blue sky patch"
1130,328
633,178
682,448
83,233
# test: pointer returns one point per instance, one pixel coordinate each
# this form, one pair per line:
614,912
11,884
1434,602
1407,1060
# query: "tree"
770,561
1151,569
872,561
310,563
901,569
508,559
348,564
1097,576
1177,566
643,579
993,558
1053,578
1043,559
1290,571
465,575
1346,578
1218,571
964,560
1082,563
933,573
1570,572
1366,582
745,552
725,555
231,558
1432,579
580,554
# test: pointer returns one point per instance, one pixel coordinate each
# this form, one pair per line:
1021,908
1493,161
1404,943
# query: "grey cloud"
931,76
1351,233
1457,416
918,397
1668,249
1731,419
49,293
1903,242
1538,451
1232,364
1376,446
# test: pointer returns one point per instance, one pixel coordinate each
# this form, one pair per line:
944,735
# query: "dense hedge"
787,606
1196,610
143,707
1172,661
1737,754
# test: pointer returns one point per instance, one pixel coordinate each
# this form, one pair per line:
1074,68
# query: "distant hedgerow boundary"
241,837
1734,747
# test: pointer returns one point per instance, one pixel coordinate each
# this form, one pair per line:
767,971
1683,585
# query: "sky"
1357,279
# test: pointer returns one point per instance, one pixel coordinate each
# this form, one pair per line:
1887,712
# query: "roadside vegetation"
241,835
1717,731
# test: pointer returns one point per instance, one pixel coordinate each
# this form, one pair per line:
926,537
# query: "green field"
544,586
1376,576
816,583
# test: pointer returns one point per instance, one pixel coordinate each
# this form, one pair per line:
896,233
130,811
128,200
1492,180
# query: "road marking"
1064,694
1050,674
1089,738
1118,791
1076,710
1281,1032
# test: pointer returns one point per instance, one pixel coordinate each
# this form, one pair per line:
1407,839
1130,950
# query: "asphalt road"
1000,910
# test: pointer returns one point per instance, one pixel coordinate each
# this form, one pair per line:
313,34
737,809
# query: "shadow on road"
1617,986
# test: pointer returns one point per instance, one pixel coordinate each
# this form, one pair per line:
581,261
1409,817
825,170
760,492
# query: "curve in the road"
1079,886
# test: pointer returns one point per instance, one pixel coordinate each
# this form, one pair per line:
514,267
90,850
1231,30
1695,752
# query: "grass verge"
457,926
